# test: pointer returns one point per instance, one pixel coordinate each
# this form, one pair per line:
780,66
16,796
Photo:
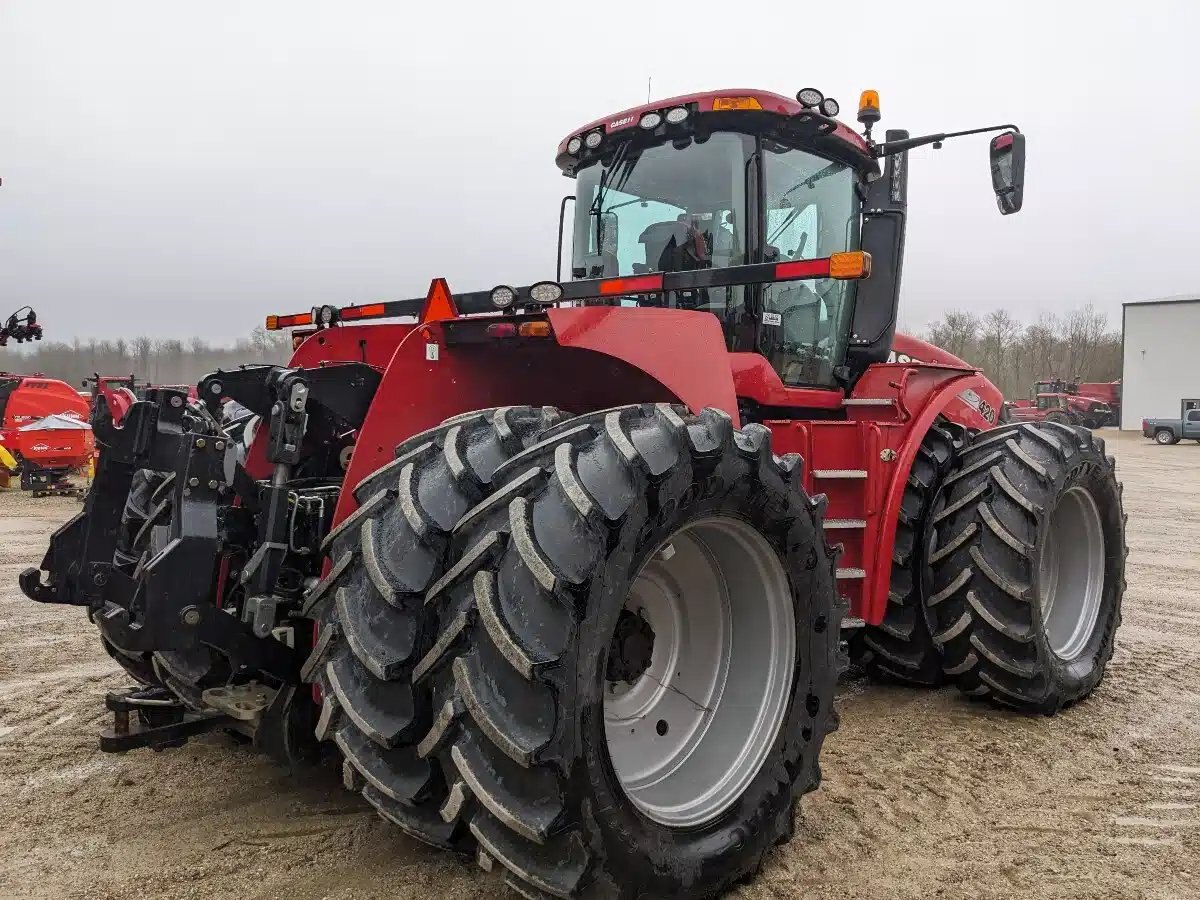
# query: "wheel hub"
1071,574
631,649
699,671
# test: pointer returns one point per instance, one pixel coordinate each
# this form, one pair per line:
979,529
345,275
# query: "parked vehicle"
1172,431
1088,403
1047,408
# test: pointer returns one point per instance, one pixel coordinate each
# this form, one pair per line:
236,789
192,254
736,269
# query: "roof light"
574,145
593,139
546,292
650,121
503,296
323,315
868,107
830,107
809,97
854,264
726,103
678,115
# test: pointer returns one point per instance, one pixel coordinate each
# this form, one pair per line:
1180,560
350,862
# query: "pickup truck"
1172,431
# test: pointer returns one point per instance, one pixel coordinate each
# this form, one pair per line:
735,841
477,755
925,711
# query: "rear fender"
598,357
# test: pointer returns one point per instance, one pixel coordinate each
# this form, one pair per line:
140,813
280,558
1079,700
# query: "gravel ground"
925,794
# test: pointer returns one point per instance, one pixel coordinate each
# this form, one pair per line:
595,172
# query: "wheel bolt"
190,616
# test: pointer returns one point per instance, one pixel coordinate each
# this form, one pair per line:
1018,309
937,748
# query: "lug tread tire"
901,648
510,668
986,609
372,615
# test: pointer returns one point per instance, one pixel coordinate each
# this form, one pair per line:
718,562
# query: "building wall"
1161,359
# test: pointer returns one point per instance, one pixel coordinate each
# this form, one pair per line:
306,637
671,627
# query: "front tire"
581,606
1030,566
901,647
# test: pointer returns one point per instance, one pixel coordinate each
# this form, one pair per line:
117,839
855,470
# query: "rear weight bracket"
151,717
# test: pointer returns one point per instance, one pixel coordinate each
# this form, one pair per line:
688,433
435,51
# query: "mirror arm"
891,148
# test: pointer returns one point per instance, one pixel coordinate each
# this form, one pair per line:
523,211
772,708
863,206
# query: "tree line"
1077,344
157,361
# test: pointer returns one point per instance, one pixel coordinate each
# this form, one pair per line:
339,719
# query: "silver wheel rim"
1071,573
1163,437
687,735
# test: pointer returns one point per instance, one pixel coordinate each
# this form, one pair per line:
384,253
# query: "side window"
1194,415
1043,403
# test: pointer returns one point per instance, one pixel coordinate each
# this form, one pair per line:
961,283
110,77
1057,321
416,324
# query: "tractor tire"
131,543
1165,438
1030,566
585,762
901,649
372,615
1059,418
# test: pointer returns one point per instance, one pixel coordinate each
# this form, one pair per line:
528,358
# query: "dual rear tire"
553,701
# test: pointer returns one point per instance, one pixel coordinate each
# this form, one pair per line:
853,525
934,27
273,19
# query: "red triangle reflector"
439,302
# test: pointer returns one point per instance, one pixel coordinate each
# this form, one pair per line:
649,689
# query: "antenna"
648,79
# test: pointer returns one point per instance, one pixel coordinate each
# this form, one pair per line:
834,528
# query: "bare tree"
956,332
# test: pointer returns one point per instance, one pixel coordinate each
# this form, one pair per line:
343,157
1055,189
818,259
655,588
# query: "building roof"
1177,298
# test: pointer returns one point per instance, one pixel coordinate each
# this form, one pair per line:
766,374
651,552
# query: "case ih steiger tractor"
561,570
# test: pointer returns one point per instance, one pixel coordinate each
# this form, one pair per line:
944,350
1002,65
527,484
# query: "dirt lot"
925,795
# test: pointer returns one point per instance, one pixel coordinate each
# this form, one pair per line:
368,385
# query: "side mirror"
1007,157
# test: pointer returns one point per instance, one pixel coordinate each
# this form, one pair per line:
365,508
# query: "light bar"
369,311
275,323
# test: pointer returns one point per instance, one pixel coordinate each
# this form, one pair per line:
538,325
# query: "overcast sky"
183,169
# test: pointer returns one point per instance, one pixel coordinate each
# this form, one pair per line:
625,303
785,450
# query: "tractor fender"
595,358
952,397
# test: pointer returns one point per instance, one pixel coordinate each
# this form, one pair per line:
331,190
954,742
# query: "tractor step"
840,473
851,574
152,717
844,524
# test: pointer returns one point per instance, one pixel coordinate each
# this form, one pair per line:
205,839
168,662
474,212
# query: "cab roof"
704,103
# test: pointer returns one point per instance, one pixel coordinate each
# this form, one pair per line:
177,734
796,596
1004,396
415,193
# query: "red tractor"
1091,404
599,648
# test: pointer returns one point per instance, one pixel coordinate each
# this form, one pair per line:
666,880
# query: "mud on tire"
901,647
522,657
1030,566
370,606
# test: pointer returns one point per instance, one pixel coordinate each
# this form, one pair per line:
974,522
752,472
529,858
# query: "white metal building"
1161,358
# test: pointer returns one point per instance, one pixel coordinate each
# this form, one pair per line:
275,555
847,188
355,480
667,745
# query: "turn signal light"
274,323
724,103
534,329
849,265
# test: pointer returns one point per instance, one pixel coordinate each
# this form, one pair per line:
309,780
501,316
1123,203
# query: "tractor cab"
748,178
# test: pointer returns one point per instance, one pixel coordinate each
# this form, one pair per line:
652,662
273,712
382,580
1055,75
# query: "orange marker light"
272,323
534,329
850,265
726,103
